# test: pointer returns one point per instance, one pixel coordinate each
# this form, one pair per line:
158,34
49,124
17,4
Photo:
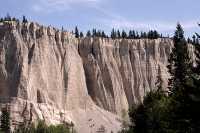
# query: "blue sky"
161,15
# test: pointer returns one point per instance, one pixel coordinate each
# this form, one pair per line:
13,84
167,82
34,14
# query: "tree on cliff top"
124,35
88,34
81,35
113,34
76,32
24,20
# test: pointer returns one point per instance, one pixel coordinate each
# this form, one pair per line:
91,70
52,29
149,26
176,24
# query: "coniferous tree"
8,17
88,33
130,35
81,35
99,33
14,19
113,34
94,33
134,35
137,35
179,111
76,32
193,39
190,98
161,35
124,35
150,34
118,34
155,34
181,75
103,34
180,59
24,20
5,121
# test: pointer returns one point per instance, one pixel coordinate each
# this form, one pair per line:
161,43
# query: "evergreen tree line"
132,34
175,110
194,40
117,34
8,18
93,33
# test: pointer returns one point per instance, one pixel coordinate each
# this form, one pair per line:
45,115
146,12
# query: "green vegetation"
81,35
176,111
5,120
117,34
24,20
76,32
132,34
8,18
88,34
41,127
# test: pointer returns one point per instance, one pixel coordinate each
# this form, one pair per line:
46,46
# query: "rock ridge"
49,74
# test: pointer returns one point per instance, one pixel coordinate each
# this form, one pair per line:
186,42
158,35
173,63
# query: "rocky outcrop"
49,74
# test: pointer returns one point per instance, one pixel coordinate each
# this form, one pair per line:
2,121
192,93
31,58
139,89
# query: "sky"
141,15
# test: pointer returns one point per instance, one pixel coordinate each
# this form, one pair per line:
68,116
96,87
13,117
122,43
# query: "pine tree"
124,35
155,34
193,39
8,17
99,33
113,34
76,32
194,90
5,121
142,35
94,33
88,33
179,59
103,34
134,35
180,69
81,35
24,20
137,36
130,35
118,34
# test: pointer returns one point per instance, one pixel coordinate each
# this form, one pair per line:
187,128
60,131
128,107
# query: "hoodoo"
49,74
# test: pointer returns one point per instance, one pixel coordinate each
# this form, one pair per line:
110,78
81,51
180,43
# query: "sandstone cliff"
49,74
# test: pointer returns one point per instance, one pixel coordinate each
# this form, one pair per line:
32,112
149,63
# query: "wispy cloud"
147,25
59,5
114,20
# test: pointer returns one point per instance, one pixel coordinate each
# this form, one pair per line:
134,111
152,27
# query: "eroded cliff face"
49,74
120,72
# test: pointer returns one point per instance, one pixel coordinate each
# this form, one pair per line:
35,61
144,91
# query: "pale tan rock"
49,74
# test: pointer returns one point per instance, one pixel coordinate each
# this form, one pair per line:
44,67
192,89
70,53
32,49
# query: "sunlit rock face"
49,74
119,72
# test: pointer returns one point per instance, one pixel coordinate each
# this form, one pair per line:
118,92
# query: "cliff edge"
48,74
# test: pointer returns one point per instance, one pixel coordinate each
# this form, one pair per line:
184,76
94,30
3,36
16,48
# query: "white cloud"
114,20
59,5
161,26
